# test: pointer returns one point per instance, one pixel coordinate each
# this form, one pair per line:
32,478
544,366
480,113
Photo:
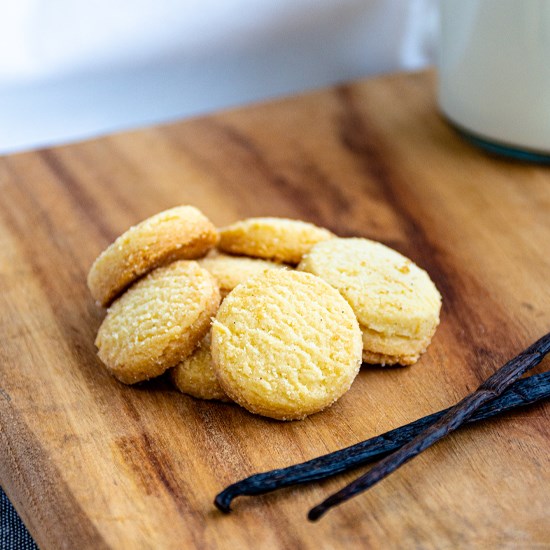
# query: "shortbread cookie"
392,349
395,301
179,233
196,376
157,322
277,239
285,344
229,271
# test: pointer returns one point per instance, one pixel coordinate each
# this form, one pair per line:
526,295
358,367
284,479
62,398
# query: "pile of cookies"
300,309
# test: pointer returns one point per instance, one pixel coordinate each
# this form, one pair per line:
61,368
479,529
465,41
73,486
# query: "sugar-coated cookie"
285,344
157,322
229,271
179,233
396,303
278,239
196,376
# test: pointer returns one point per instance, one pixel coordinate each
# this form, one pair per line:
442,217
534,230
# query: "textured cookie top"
230,271
179,233
387,291
278,239
196,376
285,344
158,321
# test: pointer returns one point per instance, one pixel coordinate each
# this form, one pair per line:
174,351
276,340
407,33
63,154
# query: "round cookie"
157,322
396,303
392,349
229,271
278,239
179,233
285,345
196,376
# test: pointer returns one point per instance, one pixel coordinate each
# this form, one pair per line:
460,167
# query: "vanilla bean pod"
494,386
521,393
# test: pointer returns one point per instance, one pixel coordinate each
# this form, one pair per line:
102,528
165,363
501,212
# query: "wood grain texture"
90,463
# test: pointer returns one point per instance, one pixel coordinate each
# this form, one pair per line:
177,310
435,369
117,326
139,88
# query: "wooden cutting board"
91,463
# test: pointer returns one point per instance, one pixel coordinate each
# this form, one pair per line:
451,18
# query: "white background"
71,69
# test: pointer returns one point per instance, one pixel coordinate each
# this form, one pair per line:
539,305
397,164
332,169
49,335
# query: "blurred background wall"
71,69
